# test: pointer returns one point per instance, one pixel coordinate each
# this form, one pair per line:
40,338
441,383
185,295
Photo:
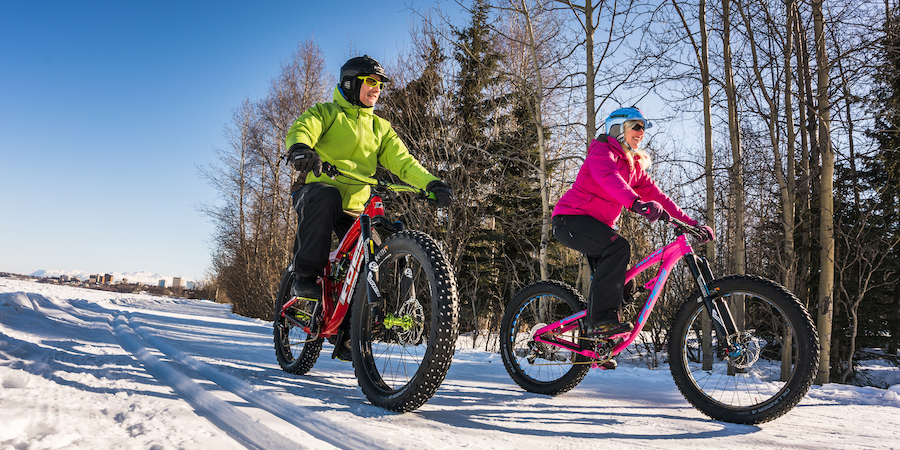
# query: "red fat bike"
398,291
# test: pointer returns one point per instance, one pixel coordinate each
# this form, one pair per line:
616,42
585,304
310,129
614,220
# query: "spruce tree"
477,107
880,313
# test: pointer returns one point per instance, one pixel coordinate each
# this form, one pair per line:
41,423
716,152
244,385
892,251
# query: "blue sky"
107,108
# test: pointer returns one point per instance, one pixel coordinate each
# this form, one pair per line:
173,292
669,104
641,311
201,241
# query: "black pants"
609,254
319,214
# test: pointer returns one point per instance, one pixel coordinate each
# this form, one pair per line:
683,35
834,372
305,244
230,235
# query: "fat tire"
703,387
299,356
546,378
429,345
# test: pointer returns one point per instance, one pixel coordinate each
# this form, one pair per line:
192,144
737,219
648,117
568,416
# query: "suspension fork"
370,270
717,309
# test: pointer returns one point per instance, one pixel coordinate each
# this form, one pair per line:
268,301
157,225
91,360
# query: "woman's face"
635,135
368,95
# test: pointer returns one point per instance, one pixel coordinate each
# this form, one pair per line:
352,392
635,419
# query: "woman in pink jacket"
614,175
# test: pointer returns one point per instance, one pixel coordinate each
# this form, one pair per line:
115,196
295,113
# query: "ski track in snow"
248,431
178,373
317,427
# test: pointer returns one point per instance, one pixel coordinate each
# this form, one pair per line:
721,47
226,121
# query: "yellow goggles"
371,81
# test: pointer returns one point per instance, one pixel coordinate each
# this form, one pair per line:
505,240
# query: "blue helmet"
622,115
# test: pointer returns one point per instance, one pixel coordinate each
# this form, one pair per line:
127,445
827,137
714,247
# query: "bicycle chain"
599,340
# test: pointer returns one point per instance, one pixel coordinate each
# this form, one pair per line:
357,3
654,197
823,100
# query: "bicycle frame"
666,257
343,269
345,264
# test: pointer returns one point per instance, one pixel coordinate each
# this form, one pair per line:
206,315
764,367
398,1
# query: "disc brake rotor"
743,350
409,323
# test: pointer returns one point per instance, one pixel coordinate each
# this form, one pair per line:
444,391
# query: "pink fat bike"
741,349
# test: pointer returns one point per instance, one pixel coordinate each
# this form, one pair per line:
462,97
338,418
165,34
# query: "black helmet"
361,65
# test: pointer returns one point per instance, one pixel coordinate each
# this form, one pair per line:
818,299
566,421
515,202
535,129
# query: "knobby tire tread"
309,353
443,331
570,378
804,373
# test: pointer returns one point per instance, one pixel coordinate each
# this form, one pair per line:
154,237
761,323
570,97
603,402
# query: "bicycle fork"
370,271
719,311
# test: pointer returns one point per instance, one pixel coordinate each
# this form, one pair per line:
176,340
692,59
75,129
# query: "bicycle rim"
401,363
756,374
536,366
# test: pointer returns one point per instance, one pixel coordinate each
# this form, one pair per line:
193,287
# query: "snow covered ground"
88,369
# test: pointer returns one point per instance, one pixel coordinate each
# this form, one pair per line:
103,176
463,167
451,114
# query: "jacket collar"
338,98
615,146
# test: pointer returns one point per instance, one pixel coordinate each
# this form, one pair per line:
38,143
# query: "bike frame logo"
352,272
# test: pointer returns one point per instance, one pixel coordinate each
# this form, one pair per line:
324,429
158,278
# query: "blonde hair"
635,154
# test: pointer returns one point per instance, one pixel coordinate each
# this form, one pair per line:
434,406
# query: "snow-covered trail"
91,369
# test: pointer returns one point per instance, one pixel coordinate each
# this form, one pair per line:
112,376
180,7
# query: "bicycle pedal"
609,364
603,352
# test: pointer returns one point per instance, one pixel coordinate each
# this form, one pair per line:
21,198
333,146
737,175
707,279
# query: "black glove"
705,234
442,193
304,159
651,210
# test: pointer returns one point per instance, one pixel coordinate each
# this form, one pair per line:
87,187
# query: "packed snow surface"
89,369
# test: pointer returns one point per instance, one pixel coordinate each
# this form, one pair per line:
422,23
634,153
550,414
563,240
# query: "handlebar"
333,172
682,228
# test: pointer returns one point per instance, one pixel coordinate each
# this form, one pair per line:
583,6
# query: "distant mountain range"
132,277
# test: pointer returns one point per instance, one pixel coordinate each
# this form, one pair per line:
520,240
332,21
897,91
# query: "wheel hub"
743,350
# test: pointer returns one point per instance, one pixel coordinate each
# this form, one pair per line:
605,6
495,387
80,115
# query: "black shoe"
306,287
342,351
605,328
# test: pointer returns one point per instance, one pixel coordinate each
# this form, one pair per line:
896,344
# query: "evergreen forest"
776,123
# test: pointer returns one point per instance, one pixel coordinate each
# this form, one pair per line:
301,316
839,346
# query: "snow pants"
608,253
319,214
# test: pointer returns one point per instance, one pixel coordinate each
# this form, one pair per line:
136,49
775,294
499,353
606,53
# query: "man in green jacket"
348,135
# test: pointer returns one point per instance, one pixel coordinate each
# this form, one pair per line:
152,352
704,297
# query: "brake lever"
330,170
427,195
681,227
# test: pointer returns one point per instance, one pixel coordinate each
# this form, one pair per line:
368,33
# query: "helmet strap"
625,145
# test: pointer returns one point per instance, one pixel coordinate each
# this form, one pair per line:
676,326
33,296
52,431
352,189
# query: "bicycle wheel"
538,367
400,364
296,350
759,373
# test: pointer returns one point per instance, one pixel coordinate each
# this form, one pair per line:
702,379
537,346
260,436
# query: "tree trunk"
538,123
826,200
738,251
790,194
708,175
707,131
591,119
737,176
808,162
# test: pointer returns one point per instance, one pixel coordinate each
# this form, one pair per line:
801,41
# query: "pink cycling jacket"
605,184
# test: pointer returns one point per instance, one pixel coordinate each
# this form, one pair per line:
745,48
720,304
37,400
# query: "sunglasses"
638,127
371,81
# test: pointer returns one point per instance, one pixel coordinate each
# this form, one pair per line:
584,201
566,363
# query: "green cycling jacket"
354,140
